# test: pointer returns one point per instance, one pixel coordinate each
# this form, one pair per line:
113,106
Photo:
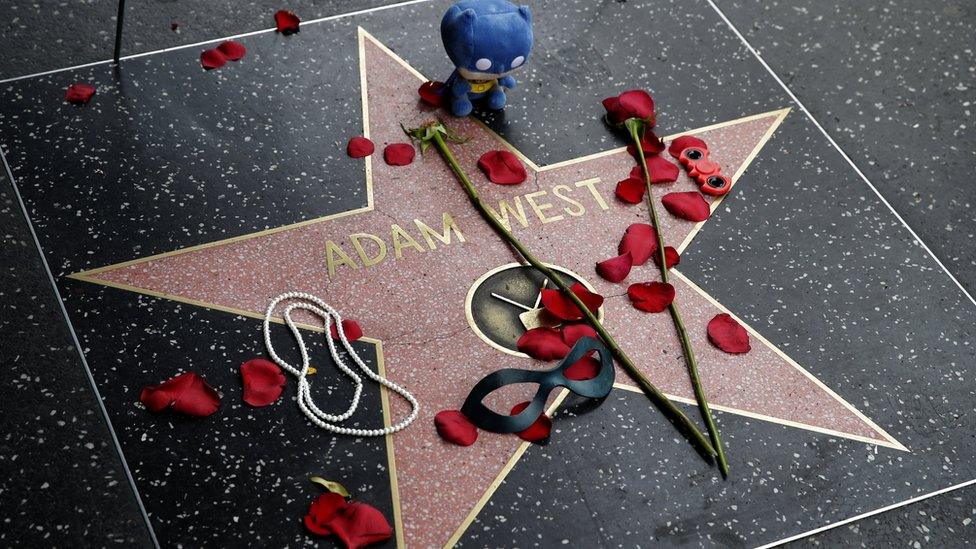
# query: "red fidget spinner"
693,155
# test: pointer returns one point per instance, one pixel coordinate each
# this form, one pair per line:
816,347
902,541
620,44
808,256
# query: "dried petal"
233,51
212,59
186,393
640,241
651,297
79,93
563,307
687,205
263,382
617,268
727,334
398,154
540,428
453,427
543,344
349,327
359,147
286,22
631,190
502,167
683,143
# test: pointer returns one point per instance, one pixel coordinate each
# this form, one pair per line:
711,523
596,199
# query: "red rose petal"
359,147
349,327
671,257
360,524
398,154
631,190
617,268
563,307
263,382
543,344
650,143
637,104
651,297
640,241
212,59
728,335
662,170
571,333
502,167
286,22
453,427
233,51
79,93
585,368
432,93
186,393
689,205
540,428
683,143
322,510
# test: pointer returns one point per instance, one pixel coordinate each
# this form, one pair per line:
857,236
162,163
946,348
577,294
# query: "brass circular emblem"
504,302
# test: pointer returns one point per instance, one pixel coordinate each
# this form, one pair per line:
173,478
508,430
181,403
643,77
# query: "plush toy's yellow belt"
481,86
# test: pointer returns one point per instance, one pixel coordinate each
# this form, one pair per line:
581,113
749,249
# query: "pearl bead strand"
314,305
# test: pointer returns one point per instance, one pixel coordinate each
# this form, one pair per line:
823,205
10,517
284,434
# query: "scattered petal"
212,59
502,167
331,486
453,427
617,268
585,368
186,394
360,524
286,22
631,190
563,307
688,205
233,51
174,26
640,241
683,143
572,333
543,344
539,430
263,382
79,93
651,297
359,147
670,256
398,154
321,512
650,143
432,93
349,327
662,170
727,334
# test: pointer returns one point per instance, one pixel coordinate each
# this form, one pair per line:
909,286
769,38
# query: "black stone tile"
62,480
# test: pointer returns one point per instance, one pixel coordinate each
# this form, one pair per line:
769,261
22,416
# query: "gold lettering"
332,251
518,213
559,191
397,233
540,208
445,237
591,185
363,256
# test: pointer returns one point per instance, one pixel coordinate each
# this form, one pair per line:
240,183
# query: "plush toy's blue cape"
486,40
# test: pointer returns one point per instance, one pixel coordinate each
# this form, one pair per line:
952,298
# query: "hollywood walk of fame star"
404,266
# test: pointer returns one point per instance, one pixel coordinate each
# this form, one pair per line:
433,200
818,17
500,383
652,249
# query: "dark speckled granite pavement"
894,73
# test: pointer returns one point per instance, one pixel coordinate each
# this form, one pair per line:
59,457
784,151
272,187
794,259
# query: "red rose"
630,104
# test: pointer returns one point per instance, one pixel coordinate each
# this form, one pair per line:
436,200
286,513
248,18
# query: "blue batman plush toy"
486,40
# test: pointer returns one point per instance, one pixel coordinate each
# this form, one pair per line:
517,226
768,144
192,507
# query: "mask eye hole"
517,62
482,64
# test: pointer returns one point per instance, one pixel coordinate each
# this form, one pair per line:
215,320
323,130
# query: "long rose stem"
679,324
656,396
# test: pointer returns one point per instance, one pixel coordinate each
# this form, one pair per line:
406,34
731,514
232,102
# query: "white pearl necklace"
326,421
